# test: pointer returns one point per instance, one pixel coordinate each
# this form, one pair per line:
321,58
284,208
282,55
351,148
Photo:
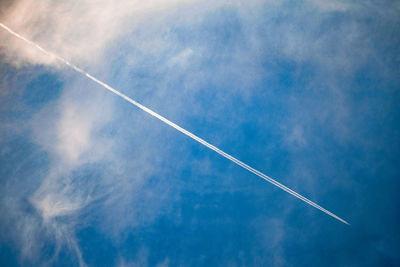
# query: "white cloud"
70,129
181,59
295,136
73,133
77,30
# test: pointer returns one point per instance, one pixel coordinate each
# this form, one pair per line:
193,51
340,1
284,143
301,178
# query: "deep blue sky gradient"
320,114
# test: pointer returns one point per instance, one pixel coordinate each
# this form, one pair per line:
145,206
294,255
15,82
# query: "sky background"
305,91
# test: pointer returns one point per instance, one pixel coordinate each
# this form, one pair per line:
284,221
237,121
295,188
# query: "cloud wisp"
177,127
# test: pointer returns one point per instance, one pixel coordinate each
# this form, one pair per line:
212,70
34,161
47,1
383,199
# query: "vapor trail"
177,127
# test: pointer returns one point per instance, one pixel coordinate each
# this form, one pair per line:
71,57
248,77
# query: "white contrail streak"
177,127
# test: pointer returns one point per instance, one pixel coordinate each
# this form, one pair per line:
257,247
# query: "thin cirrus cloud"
67,130
72,134
76,139
79,30
81,139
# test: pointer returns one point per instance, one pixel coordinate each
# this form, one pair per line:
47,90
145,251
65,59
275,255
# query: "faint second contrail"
177,127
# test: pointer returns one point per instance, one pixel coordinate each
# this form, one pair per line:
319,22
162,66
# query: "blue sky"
304,91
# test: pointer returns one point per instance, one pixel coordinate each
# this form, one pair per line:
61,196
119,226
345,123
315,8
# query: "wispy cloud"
144,37
74,140
78,30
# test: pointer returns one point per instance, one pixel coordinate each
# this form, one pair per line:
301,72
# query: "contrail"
177,127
